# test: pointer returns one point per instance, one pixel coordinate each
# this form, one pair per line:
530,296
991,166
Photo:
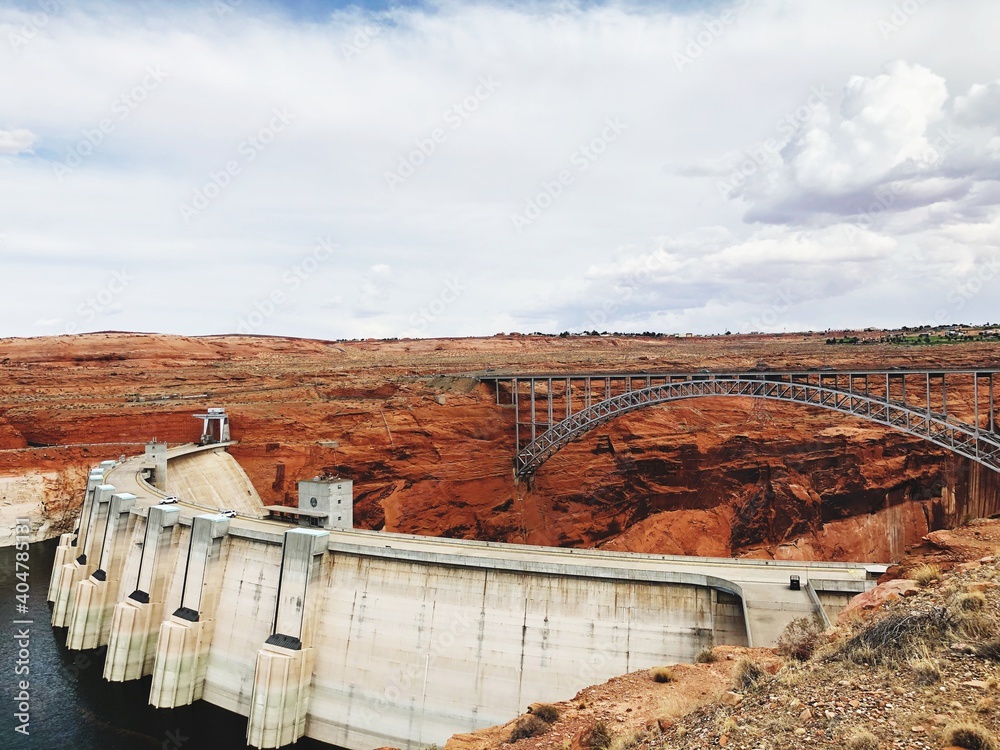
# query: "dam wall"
412,650
363,639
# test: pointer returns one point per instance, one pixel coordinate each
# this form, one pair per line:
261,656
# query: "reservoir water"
71,707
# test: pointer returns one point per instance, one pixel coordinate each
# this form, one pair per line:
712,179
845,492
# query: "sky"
332,170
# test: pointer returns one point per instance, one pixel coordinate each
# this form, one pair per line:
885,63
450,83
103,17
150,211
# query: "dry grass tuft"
546,712
895,635
970,736
662,674
925,575
975,624
861,739
598,737
748,673
627,741
528,726
971,601
800,638
706,656
925,671
989,650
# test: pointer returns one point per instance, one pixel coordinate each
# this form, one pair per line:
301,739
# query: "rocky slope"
431,453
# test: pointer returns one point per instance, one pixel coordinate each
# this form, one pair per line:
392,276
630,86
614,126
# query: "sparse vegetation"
662,674
925,575
891,637
748,672
627,741
974,625
861,739
528,726
800,638
546,712
970,736
597,737
706,656
972,601
925,671
989,650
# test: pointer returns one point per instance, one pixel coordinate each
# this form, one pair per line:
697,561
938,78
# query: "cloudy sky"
462,168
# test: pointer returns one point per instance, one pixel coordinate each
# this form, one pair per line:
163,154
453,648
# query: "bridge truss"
955,409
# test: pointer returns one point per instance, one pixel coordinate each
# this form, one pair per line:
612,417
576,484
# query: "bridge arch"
877,396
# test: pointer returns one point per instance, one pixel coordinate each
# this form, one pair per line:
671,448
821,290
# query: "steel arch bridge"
954,409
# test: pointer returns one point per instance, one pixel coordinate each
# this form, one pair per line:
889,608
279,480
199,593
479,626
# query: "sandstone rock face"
878,596
44,486
705,476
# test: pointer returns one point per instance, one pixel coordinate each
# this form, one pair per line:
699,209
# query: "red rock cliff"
432,454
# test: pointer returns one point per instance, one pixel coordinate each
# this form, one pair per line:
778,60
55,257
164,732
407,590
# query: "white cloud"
980,106
857,179
19,141
892,149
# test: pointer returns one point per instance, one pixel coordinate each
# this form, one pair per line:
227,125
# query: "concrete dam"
308,627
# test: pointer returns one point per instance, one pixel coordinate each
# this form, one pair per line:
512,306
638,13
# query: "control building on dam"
309,627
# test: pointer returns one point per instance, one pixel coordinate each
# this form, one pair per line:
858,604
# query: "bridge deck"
553,409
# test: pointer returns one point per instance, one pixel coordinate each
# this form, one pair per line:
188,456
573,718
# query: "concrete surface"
363,638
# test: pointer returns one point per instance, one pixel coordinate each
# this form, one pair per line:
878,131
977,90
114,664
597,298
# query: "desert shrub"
861,739
662,674
925,671
989,650
970,736
627,741
925,575
706,656
895,635
971,601
597,737
800,638
974,625
546,712
748,673
528,726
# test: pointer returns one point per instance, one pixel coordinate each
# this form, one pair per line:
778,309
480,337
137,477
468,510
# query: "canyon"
431,452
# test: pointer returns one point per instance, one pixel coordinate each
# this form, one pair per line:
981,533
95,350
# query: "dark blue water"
71,706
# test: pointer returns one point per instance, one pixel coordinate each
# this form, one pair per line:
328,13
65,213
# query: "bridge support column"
92,525
67,549
184,640
90,621
136,619
282,685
